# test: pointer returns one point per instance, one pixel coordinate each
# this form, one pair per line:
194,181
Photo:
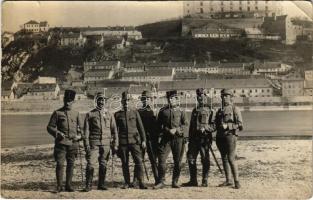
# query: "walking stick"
218,165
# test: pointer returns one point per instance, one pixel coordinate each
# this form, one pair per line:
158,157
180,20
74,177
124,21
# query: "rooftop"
160,72
47,87
218,83
97,73
32,22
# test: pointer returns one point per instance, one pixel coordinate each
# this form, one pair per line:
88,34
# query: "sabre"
218,165
144,165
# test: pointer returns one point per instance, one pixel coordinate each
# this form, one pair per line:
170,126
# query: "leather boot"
193,176
69,176
59,171
101,180
89,178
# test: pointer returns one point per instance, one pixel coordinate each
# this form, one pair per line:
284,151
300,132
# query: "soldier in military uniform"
132,138
228,121
173,122
200,139
64,126
100,134
152,131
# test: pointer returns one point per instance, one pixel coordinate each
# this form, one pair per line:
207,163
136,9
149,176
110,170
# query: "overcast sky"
71,13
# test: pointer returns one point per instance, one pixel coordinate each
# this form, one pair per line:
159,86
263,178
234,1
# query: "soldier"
132,138
172,121
200,139
64,126
152,131
228,120
100,134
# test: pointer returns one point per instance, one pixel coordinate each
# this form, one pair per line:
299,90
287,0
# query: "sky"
97,13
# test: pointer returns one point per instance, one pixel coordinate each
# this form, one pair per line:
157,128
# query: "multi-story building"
218,33
233,68
134,67
240,87
43,92
43,26
230,8
36,27
104,65
292,85
73,39
149,75
98,75
130,32
287,27
271,67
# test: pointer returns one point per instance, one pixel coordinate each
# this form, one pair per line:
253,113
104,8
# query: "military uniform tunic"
152,135
169,118
67,122
199,142
226,137
100,134
131,134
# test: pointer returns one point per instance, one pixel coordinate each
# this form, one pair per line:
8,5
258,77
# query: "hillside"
163,29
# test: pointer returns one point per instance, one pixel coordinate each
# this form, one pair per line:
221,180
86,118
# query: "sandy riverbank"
268,169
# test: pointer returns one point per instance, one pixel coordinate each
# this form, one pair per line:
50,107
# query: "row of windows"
231,9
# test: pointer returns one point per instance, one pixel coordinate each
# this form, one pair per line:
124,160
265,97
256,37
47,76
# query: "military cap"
146,94
69,94
126,95
100,95
171,93
227,92
200,91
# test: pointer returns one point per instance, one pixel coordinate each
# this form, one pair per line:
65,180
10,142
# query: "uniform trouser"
100,154
226,144
194,148
64,153
166,145
152,154
136,153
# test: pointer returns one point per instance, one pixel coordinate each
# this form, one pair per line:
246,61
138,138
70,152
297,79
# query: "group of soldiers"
139,131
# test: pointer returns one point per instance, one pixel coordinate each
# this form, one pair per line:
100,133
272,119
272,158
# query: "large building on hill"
36,27
216,9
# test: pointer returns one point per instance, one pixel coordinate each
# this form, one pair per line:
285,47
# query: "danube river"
23,130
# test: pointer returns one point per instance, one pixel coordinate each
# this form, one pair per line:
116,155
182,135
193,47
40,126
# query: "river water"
23,130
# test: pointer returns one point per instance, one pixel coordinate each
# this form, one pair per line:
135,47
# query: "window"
256,90
256,8
248,8
222,3
250,91
201,3
201,10
243,91
240,2
268,90
248,2
240,8
211,9
266,7
222,9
